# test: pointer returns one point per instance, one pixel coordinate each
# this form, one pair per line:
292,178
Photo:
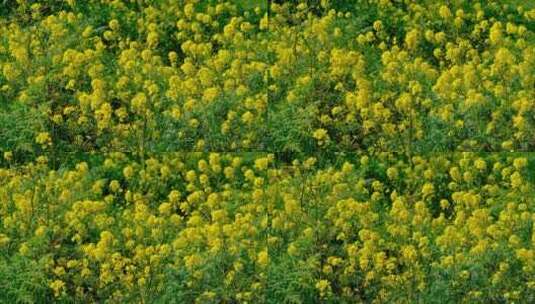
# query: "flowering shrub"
125,76
189,227
402,75
181,227
390,229
310,151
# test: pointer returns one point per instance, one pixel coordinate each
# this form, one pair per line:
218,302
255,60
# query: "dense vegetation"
212,151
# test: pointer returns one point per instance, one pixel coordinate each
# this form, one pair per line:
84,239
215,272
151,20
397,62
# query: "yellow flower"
152,39
262,163
8,155
444,12
516,180
139,102
263,258
409,253
165,209
428,189
248,117
114,185
24,249
40,231
392,173
293,250
114,24
520,162
128,172
44,139
11,72
480,164
58,286
320,134
4,239
324,287
377,25
495,35
210,94
411,39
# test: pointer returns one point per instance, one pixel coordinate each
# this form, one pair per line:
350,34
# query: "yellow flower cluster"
386,228
117,229
116,75
243,227
425,76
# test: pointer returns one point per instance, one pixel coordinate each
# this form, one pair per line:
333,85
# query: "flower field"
212,151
